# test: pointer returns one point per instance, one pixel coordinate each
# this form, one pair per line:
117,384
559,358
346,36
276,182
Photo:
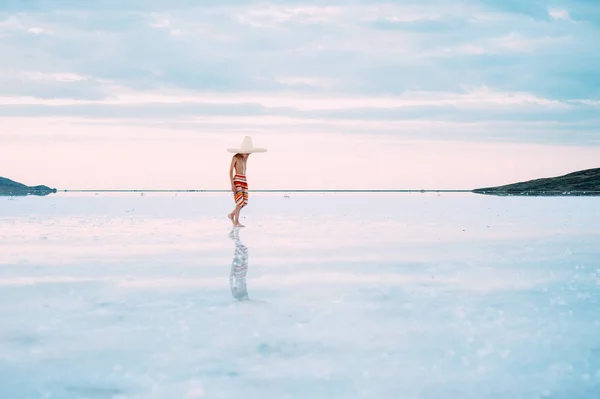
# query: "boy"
237,176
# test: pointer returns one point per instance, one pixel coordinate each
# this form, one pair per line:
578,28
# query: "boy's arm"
231,173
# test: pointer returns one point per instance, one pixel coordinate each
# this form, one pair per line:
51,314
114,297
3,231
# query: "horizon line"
267,190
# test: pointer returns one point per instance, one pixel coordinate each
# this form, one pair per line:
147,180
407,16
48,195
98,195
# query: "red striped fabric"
241,190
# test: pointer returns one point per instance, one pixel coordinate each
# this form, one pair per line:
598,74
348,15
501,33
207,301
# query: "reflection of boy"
239,268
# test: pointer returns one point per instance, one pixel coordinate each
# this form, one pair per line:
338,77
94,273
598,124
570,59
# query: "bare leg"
231,216
236,217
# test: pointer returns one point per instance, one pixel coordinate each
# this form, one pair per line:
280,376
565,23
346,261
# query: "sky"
344,94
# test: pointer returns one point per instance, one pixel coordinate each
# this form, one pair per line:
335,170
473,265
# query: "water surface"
320,296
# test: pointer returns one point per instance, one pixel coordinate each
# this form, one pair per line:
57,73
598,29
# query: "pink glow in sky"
71,154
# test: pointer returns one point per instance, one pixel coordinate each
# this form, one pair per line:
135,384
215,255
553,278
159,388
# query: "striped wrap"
241,190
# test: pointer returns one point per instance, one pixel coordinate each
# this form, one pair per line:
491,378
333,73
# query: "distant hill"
584,182
12,188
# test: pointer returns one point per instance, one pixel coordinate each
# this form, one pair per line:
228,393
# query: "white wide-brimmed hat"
246,147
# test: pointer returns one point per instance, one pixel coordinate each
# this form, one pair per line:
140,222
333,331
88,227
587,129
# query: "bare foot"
230,216
238,224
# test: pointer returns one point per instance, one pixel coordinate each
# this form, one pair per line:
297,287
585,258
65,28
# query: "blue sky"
430,73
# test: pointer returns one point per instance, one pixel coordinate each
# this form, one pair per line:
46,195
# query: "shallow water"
320,296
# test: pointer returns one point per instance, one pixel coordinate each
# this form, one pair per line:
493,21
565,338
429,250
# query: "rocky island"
12,188
585,182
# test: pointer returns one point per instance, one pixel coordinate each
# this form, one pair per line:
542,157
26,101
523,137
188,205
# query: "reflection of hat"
246,147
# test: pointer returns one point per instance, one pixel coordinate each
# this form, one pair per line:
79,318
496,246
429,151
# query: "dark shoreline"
583,183
11,188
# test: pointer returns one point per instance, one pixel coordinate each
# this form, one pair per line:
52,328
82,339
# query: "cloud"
46,85
512,42
477,97
374,61
305,81
161,23
559,14
11,23
517,43
42,76
19,24
273,16
38,31
478,113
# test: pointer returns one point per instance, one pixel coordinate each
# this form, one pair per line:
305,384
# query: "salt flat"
348,296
